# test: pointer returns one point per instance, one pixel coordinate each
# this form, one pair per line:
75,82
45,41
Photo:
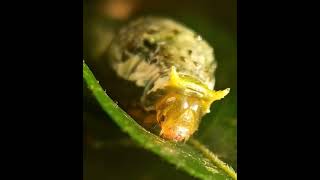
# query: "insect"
175,68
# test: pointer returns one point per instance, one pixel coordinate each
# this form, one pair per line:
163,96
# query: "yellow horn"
214,96
174,77
217,95
209,95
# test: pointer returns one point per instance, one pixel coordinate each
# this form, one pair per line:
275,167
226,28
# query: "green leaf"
194,158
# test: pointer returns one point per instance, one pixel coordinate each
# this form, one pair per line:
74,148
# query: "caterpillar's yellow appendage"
184,83
217,95
209,96
174,77
214,96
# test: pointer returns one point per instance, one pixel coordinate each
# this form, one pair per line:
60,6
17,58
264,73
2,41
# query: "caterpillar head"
179,112
178,116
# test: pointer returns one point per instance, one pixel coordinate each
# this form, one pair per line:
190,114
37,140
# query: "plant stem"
210,155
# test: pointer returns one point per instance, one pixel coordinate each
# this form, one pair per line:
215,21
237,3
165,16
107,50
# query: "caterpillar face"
178,116
179,111
175,67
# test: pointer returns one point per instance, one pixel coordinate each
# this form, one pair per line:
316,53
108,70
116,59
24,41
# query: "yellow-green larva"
174,65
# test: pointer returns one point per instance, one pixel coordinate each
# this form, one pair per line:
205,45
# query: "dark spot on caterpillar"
125,55
130,46
195,63
189,52
162,118
167,55
175,31
153,61
182,58
149,45
151,31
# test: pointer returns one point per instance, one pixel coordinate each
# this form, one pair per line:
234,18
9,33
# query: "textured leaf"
193,158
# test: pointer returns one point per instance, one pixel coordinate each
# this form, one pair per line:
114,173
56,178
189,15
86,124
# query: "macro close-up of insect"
160,90
175,67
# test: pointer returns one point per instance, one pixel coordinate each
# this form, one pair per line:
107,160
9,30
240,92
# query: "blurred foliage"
111,154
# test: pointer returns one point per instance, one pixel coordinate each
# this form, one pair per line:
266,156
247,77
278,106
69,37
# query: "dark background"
110,154
41,50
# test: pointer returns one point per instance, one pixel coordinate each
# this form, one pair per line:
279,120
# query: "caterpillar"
175,68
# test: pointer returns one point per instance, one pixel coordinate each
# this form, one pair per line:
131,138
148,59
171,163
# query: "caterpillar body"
174,66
